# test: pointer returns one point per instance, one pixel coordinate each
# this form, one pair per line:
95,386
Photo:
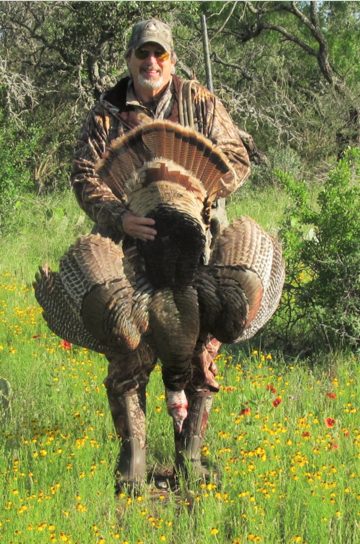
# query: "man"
152,91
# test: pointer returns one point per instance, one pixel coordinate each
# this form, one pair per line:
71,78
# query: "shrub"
321,301
283,159
16,158
33,159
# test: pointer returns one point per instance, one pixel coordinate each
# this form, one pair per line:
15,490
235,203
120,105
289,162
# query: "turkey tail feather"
271,296
245,246
92,294
164,140
60,312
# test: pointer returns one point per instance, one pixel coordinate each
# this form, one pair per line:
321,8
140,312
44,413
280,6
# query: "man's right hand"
138,227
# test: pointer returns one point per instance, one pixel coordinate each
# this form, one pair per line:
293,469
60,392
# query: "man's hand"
138,227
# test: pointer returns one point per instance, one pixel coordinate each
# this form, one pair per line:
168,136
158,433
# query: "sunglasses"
143,54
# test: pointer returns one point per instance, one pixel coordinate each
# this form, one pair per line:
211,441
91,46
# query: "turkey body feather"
162,296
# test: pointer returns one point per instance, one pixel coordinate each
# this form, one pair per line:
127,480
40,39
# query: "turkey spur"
161,298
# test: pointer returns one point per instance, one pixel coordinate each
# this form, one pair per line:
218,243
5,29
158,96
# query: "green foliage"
16,156
35,157
322,251
45,226
279,88
265,205
58,56
283,158
342,33
66,53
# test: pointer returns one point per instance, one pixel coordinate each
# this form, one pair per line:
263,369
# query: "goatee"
149,84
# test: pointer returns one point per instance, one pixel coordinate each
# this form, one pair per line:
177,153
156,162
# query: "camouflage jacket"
117,112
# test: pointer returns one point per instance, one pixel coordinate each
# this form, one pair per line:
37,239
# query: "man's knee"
127,372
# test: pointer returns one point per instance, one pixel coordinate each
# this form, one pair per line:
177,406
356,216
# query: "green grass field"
285,435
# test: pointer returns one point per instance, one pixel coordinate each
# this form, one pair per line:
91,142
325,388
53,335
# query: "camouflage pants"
127,373
126,390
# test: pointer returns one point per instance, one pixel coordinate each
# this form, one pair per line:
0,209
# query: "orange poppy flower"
329,422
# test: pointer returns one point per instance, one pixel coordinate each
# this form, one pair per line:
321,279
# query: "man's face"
151,67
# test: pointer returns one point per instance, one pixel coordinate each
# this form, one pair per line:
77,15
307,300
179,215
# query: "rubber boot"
188,442
128,412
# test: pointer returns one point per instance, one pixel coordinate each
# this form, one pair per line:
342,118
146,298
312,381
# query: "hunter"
150,91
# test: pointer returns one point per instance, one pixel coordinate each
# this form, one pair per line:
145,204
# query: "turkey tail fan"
60,313
187,148
229,296
125,156
166,169
160,139
166,140
93,282
272,295
246,244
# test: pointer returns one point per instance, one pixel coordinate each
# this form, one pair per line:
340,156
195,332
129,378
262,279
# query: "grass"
42,229
264,206
285,436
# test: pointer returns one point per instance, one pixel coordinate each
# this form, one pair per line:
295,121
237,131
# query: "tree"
57,59
287,71
290,68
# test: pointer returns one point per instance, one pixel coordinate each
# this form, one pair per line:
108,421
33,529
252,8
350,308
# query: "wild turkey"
160,297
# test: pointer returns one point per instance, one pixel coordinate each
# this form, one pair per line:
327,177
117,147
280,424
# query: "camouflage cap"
151,30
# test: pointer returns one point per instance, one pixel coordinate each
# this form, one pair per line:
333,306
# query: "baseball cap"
151,30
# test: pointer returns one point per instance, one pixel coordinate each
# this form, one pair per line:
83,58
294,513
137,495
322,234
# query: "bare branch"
20,92
322,54
251,8
290,37
314,14
226,20
189,72
245,74
300,15
222,9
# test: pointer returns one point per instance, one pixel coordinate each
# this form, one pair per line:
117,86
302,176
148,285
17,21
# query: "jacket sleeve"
93,195
224,134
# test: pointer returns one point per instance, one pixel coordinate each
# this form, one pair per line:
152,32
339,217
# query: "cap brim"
153,39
